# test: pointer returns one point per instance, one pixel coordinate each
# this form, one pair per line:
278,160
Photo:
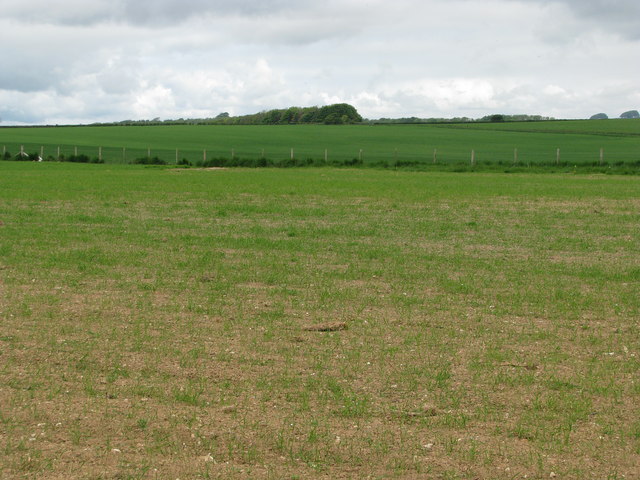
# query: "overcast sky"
83,61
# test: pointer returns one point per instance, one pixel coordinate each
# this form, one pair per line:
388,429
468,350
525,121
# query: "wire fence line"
428,154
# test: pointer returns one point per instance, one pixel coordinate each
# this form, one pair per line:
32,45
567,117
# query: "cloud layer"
79,61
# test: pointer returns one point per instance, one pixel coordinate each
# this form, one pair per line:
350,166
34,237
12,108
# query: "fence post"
435,155
601,155
233,153
326,155
75,151
58,157
204,156
515,156
42,151
360,156
262,153
176,156
473,157
100,154
291,153
148,152
557,156
124,155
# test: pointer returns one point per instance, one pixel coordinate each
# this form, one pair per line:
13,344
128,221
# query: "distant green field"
618,128
525,143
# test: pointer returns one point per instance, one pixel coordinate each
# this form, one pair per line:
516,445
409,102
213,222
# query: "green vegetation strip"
604,146
317,323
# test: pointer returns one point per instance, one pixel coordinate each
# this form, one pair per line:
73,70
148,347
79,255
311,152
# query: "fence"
449,155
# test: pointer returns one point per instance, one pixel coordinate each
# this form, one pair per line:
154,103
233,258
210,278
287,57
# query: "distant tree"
631,114
309,115
290,115
496,118
599,116
333,119
272,117
344,113
340,110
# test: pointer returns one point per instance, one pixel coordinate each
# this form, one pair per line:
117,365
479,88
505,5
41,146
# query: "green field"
579,142
155,323
615,128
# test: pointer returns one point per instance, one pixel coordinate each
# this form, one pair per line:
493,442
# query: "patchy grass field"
154,324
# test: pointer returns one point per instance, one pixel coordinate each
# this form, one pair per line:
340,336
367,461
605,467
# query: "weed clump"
80,159
149,161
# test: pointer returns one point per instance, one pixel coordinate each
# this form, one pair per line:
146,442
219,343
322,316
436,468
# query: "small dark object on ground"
327,327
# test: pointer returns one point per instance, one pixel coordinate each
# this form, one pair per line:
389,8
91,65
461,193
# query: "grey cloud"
24,77
176,10
98,60
57,12
621,17
137,12
615,9
618,16
17,115
49,57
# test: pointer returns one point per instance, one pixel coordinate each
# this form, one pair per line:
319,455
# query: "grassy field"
612,127
579,142
163,323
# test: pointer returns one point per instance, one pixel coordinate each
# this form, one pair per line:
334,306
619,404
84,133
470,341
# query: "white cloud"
553,90
97,60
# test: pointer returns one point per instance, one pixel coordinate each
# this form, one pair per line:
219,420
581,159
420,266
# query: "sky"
85,61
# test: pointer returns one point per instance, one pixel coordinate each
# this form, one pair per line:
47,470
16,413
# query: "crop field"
566,143
163,323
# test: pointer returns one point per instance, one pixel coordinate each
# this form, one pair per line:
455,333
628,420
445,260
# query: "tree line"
336,114
495,118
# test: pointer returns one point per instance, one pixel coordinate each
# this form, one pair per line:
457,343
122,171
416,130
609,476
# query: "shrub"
82,158
148,161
